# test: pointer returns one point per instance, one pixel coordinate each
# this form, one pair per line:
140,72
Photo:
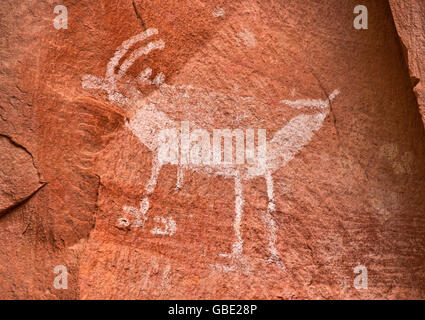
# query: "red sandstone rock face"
409,19
19,178
348,175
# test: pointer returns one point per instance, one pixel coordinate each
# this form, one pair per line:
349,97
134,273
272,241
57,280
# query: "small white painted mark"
248,38
139,217
218,12
123,222
169,226
222,268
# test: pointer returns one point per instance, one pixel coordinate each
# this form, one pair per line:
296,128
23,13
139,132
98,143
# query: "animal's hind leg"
270,224
238,245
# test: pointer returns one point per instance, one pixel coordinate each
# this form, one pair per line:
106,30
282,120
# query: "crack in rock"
20,179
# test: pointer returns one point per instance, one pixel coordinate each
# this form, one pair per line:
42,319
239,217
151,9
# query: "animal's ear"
146,82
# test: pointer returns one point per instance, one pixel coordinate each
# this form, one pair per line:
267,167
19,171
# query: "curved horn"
121,51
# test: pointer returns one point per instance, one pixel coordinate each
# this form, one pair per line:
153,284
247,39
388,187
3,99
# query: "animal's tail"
312,103
289,140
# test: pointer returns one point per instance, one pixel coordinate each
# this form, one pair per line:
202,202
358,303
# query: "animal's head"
119,89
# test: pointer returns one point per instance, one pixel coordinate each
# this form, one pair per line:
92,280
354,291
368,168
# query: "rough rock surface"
352,195
409,18
19,178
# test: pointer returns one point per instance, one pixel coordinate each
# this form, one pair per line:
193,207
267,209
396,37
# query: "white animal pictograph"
149,121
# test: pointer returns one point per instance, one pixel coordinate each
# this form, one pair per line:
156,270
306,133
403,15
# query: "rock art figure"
149,121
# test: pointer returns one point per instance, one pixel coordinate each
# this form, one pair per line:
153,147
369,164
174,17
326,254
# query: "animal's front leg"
150,187
237,260
238,244
139,214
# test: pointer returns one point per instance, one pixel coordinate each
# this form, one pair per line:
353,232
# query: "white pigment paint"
109,82
218,12
180,177
149,121
302,103
248,38
239,202
155,45
169,226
